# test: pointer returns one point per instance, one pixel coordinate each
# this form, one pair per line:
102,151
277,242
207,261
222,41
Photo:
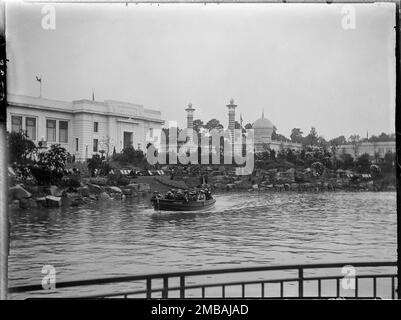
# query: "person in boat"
179,195
156,195
192,196
201,195
169,195
208,194
186,197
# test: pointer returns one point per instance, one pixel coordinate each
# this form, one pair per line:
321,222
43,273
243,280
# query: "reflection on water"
121,238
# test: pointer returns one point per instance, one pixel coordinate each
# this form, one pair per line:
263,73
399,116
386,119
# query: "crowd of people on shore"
187,195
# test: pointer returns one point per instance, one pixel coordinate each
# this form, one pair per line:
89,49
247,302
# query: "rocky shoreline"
34,196
91,190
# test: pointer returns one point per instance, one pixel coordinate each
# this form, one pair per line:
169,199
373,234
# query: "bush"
54,158
318,168
45,175
21,170
20,147
94,163
105,168
130,155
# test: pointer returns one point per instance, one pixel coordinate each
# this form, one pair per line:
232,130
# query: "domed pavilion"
262,129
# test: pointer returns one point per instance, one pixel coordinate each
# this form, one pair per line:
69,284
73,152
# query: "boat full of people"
183,200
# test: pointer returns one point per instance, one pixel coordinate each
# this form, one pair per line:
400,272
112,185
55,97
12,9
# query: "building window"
30,124
95,145
16,123
76,144
96,127
63,131
51,130
151,133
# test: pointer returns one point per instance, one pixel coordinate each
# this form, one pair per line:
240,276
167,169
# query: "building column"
231,118
190,120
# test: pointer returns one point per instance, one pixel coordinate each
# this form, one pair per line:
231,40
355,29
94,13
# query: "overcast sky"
296,62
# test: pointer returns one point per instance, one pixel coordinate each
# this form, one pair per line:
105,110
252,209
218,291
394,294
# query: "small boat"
181,205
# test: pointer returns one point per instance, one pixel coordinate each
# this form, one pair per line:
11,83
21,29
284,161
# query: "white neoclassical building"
373,149
83,127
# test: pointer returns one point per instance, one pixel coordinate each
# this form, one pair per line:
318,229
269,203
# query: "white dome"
262,123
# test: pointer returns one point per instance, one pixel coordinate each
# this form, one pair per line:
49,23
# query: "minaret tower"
190,118
231,117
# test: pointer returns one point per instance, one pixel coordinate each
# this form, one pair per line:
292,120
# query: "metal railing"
297,276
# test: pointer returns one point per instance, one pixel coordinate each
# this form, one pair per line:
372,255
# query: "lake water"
243,229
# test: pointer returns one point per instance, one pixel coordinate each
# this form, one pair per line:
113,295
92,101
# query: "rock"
14,204
93,197
52,201
41,202
113,189
72,199
94,188
23,203
83,191
230,186
27,203
116,196
55,191
127,192
255,187
133,186
18,193
104,196
32,203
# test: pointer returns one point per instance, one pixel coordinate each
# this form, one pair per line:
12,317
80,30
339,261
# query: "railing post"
374,287
148,288
182,287
300,282
165,288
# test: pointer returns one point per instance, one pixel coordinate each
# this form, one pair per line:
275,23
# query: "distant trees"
312,138
355,141
338,141
197,125
248,126
296,135
279,137
213,124
382,137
